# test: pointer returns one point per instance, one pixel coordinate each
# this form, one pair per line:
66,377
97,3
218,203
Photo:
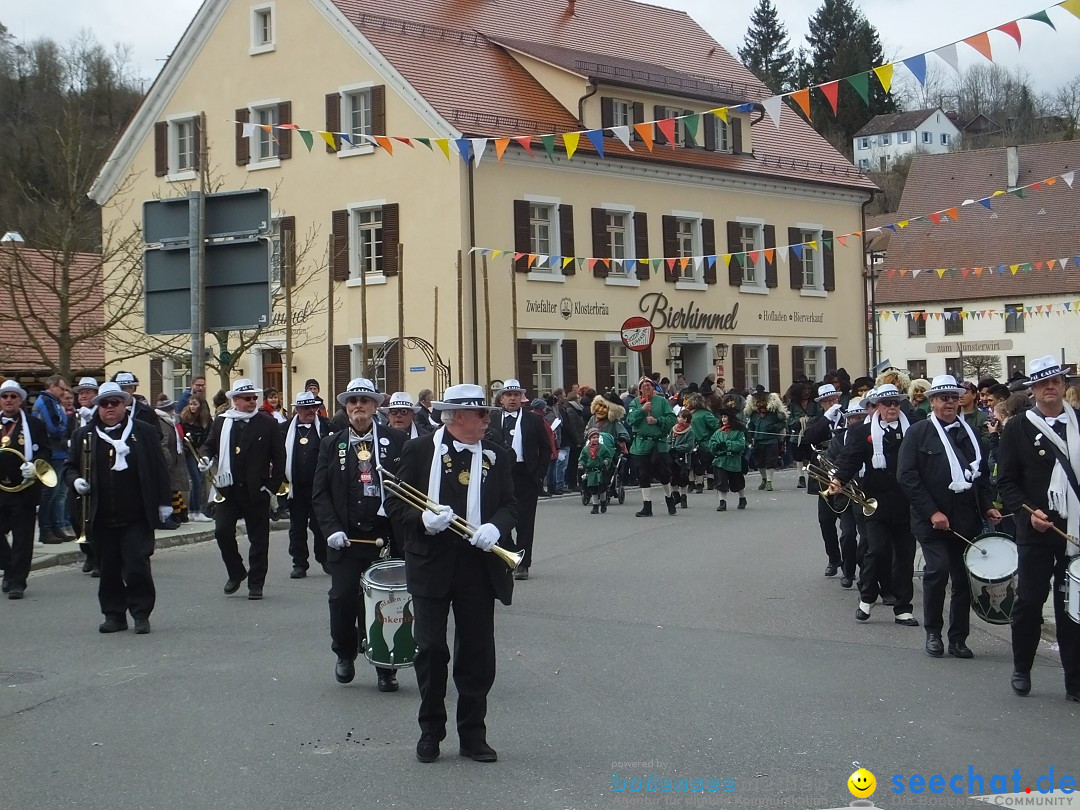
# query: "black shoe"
1073,697
478,751
910,621
522,572
682,501
699,489
861,615
344,670
297,572
672,502
742,503
646,510
960,650
595,510
831,569
846,582
1021,683
96,573
51,538
87,566
67,533
233,585
603,507
802,482
934,645
889,600
387,681
5,586
142,627
112,625
325,569
427,749
722,506
168,524
762,484
15,592
255,592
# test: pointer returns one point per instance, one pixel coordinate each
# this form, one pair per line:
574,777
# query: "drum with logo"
389,615
992,576
1072,589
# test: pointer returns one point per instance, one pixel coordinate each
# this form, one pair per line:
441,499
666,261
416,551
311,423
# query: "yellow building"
384,231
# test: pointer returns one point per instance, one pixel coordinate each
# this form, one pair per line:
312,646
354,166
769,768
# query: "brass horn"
43,473
852,492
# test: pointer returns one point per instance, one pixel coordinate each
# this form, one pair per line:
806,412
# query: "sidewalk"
66,553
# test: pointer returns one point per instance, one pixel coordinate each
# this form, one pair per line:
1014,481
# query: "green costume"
727,448
595,468
649,437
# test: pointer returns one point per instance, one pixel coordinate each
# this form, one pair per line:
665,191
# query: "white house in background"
886,138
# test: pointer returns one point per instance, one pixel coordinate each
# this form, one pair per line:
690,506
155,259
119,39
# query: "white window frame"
696,282
1015,312
175,375
819,358
944,138
762,347
345,93
632,359
864,143
553,359
260,14
723,136
174,122
904,137
552,273
758,286
680,126
356,360
928,137
886,139
817,289
622,112
864,163
354,245
256,107
276,262
621,278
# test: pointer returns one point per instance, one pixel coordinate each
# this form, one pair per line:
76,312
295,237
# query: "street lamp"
673,351
720,350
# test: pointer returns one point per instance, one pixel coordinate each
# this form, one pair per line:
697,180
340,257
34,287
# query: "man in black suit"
18,510
250,453
523,433
348,500
129,383
303,434
1039,467
460,470
129,494
943,472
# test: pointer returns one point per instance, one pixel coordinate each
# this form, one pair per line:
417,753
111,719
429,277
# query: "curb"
166,539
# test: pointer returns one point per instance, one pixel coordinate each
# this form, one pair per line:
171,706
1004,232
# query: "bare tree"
1065,103
981,366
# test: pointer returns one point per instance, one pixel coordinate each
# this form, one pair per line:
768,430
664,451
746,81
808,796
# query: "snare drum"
389,616
1072,589
992,576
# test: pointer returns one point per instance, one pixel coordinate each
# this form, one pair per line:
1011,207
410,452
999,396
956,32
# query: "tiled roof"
30,306
894,122
1044,225
448,51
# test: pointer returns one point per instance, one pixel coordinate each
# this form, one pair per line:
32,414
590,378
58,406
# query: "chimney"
1012,162
570,7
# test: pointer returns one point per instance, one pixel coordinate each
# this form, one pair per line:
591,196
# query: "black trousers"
19,520
126,584
527,492
883,537
840,547
944,556
472,599
301,518
348,619
256,516
1038,565
884,571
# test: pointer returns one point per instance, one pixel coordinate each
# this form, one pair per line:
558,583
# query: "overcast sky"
907,27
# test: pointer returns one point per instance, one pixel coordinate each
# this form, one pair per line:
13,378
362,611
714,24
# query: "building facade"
887,138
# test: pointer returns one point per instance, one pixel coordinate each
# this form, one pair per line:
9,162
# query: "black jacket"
10,474
305,456
261,460
879,484
535,445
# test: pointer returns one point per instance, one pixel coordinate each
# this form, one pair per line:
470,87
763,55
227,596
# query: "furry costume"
898,377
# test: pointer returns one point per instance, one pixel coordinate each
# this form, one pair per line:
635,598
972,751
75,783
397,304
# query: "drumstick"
1068,537
980,550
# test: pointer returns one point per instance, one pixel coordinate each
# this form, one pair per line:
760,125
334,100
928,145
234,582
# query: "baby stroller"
617,475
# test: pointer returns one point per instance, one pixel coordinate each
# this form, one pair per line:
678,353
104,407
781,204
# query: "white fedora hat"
306,399
400,399
11,385
464,397
1043,368
243,386
825,391
944,384
86,384
111,390
361,387
511,386
886,391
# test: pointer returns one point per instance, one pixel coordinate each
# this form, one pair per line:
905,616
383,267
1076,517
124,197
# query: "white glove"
486,536
82,486
833,411
164,513
438,522
338,541
205,464
27,470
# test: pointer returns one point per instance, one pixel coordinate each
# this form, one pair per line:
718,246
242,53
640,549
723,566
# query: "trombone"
84,500
825,475
43,472
420,500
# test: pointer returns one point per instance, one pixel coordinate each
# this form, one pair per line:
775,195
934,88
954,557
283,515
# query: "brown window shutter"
830,358
566,237
738,367
710,132
659,112
197,135
393,360
734,245
602,361
641,244
828,260
342,370
607,114
525,371
668,227
390,240
569,363
639,117
736,135
771,280
708,247
284,136
774,368
798,361
646,362
243,143
155,378
333,119
601,248
794,237
161,148
378,110
522,234
287,227
339,245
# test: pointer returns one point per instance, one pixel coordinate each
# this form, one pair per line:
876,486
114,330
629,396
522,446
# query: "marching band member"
85,392
466,474
18,510
1039,463
403,414
802,411
303,435
652,419
139,408
129,494
943,471
823,429
525,435
250,453
348,498
841,547
876,446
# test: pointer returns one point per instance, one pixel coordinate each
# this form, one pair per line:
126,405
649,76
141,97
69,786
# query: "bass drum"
389,616
991,565
1072,589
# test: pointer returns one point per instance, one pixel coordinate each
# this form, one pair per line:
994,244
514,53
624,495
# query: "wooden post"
331,383
363,323
435,349
286,282
460,319
401,313
513,311
487,326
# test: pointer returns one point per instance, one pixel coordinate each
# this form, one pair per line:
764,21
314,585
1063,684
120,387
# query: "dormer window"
262,28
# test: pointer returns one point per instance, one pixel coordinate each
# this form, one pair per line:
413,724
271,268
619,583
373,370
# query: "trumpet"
43,472
850,490
420,500
283,490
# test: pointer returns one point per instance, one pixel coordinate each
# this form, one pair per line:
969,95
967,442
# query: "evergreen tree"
843,43
766,50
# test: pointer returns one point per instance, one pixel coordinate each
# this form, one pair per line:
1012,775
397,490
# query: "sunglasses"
948,397
888,403
400,411
10,396
110,403
249,398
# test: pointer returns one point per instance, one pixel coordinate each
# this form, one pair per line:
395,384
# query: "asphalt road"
704,647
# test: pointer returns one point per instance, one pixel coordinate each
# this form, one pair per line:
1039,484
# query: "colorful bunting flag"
861,84
884,74
831,91
917,65
981,43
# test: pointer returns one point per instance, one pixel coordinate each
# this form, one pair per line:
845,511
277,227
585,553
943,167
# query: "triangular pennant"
479,145
306,137
949,56
1068,178
329,138
407,141
884,74
1072,6
684,262
532,259
802,98
525,142
917,65
721,113
861,84
692,123
1019,192
667,127
670,264
753,255
770,254
444,146
645,132
549,146
385,143
1012,29
711,261
985,202
981,43
570,141
425,141
954,214
596,138
500,147
842,240
1041,16
831,91
567,260
772,108
798,251
935,218
248,130
623,134
464,146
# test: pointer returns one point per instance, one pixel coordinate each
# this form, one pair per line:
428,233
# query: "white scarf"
877,435
472,509
1060,494
415,433
515,443
290,440
85,415
28,440
224,477
961,478
119,446
355,438
171,419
